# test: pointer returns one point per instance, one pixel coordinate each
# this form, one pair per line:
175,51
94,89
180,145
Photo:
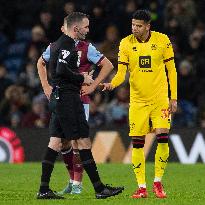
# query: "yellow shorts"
144,118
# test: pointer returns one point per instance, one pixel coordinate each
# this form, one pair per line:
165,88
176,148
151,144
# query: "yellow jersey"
146,64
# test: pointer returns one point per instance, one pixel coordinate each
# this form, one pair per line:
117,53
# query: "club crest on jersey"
169,45
65,53
154,47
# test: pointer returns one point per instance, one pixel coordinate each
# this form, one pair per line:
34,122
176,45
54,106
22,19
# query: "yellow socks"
138,163
138,158
161,159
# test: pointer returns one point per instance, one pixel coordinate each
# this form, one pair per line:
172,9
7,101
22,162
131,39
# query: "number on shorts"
165,113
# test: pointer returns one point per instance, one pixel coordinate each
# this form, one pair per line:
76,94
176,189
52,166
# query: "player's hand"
107,86
48,90
91,73
86,90
172,106
87,79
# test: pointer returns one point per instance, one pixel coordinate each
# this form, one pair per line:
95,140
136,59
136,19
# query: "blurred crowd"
27,28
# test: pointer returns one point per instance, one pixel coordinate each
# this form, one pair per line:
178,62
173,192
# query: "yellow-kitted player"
146,55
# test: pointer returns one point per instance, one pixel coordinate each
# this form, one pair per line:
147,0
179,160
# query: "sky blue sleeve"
93,54
46,54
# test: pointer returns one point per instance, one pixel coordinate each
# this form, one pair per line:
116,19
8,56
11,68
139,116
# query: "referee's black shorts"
68,119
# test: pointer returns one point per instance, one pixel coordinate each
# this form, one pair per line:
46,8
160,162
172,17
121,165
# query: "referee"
68,118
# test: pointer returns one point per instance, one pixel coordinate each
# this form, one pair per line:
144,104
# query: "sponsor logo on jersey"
146,71
145,61
65,53
62,61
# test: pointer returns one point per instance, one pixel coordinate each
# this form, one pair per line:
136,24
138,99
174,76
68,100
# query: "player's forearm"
106,68
120,76
42,72
172,76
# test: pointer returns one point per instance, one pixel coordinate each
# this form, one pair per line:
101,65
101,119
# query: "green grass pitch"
184,184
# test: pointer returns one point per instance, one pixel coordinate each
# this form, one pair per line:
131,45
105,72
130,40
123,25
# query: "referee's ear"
63,29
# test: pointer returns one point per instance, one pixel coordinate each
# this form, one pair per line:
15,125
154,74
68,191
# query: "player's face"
139,28
82,29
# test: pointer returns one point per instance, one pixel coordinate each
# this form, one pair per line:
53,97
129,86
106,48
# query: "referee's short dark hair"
142,15
75,17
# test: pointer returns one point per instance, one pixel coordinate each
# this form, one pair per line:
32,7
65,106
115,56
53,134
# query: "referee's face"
139,28
82,29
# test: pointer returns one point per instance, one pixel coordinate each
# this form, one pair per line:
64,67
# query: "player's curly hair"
142,15
75,17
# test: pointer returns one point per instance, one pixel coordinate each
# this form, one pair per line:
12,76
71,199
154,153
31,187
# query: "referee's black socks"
91,169
47,168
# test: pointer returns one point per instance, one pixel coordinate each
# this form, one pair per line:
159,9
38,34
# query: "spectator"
176,35
33,54
98,24
202,118
184,11
69,7
109,47
49,26
96,117
186,115
99,100
37,117
39,39
15,103
117,110
4,81
124,18
29,79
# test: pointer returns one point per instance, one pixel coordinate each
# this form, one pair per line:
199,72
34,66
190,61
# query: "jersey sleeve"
94,55
46,54
123,54
168,50
122,65
170,65
120,76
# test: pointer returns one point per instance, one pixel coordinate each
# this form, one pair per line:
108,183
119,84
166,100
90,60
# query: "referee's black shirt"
63,64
